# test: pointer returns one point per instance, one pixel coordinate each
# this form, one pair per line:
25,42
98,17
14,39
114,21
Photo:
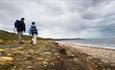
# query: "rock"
37,52
14,49
2,42
27,62
62,51
31,51
18,52
2,50
71,56
9,42
46,60
58,57
29,57
45,63
57,44
47,53
29,67
40,59
6,60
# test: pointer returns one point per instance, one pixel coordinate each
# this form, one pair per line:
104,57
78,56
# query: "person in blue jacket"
33,32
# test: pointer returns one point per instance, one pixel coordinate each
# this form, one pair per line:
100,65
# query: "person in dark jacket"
20,26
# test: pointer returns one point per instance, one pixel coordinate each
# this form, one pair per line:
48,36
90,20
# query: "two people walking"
21,27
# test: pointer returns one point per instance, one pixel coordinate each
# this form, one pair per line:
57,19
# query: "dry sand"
107,55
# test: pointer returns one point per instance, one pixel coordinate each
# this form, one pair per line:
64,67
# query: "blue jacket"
30,30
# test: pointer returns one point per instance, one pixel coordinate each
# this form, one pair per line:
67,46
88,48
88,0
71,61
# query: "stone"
37,52
40,59
2,42
62,51
6,60
46,60
29,67
14,49
9,42
57,44
29,57
45,63
18,52
47,53
2,50
56,54
71,56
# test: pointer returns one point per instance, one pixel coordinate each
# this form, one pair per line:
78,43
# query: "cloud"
62,18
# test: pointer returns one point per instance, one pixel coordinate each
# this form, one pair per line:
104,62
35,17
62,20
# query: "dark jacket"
21,27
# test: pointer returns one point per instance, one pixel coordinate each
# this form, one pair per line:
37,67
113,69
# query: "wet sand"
107,55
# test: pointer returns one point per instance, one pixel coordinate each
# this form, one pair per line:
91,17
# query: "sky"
61,18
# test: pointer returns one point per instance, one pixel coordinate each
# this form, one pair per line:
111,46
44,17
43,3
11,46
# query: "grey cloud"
61,18
8,8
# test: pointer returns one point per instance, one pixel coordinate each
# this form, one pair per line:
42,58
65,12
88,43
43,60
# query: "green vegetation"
4,35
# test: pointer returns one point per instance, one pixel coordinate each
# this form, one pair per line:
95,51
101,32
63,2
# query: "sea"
100,43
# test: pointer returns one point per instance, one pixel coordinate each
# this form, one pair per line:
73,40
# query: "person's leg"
20,37
34,38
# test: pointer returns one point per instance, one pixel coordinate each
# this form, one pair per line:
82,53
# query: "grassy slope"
4,35
47,55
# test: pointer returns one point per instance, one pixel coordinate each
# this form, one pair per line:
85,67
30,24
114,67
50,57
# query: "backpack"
34,30
17,24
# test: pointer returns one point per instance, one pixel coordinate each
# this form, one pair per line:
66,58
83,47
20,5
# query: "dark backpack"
17,24
34,30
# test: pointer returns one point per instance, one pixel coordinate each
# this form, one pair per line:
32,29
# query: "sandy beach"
107,55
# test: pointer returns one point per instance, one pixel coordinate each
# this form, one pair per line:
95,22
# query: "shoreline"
106,54
87,45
